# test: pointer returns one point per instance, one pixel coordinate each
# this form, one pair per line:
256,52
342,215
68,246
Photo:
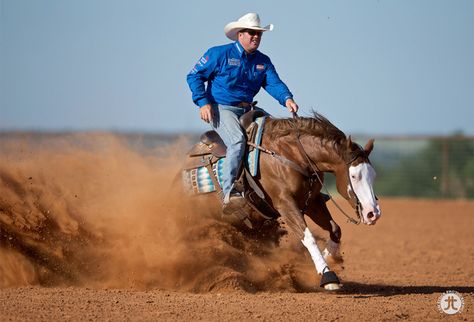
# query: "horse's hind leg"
319,213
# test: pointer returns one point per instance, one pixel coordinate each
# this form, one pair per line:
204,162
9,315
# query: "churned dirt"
90,230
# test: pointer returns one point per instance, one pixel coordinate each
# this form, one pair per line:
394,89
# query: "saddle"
211,143
205,164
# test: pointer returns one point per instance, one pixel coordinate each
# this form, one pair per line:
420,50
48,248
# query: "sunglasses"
252,32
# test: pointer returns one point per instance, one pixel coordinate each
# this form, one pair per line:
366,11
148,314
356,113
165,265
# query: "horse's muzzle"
371,216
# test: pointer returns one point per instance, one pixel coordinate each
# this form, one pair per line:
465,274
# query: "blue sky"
372,67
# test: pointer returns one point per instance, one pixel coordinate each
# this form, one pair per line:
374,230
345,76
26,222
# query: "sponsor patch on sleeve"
202,61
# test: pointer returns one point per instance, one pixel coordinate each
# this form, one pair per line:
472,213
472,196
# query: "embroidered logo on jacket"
260,67
233,62
201,62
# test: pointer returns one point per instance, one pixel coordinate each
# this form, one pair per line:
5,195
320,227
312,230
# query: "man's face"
250,39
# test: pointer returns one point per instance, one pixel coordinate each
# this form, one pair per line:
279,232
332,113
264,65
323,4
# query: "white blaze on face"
362,177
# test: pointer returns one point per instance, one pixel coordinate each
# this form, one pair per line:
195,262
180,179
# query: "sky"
377,67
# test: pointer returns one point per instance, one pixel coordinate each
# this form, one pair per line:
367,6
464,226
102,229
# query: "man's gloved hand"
291,105
206,113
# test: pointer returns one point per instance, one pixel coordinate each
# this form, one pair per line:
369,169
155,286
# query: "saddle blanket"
199,180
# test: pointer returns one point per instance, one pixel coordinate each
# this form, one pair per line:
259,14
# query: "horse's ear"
369,146
349,142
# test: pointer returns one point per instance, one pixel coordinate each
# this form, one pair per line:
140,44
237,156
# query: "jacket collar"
241,50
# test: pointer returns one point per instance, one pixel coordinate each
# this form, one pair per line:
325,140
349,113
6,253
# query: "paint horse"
295,153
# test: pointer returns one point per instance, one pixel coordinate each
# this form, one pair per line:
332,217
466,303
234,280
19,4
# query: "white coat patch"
233,62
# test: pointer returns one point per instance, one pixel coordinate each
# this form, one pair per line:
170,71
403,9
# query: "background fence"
410,166
425,167
430,166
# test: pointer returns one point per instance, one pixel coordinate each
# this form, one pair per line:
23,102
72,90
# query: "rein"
311,176
315,170
282,159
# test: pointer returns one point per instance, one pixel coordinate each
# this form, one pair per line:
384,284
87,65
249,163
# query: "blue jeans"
226,124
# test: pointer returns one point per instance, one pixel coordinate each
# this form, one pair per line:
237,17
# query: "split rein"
315,170
310,176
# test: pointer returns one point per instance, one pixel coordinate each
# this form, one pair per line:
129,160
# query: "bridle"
315,170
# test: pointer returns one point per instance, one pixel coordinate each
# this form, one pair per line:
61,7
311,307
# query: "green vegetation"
433,168
443,168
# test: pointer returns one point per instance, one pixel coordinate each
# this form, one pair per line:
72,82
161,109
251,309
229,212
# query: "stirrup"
234,205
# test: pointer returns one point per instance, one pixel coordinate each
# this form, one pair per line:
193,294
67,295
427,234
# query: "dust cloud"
90,210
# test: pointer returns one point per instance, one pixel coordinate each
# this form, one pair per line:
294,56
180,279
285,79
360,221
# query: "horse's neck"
324,154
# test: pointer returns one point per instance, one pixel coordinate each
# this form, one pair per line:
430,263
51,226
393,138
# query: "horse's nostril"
370,215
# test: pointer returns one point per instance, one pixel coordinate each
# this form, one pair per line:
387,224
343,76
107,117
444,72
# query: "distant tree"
445,168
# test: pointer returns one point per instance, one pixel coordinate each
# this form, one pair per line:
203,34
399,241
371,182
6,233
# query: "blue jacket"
233,76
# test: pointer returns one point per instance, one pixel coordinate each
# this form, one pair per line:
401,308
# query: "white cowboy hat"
248,21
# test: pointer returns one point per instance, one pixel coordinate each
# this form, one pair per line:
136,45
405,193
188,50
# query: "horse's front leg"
296,225
320,214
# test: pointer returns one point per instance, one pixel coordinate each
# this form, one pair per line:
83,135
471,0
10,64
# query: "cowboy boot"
235,203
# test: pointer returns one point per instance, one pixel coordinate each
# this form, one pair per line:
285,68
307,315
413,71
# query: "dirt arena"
89,232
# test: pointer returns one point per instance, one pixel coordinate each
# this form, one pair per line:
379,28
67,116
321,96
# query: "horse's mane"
317,125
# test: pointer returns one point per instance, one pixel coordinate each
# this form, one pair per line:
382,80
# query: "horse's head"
356,183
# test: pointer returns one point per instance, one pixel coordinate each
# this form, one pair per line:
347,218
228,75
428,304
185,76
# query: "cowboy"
234,74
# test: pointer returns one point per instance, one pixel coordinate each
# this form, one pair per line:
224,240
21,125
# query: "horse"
295,154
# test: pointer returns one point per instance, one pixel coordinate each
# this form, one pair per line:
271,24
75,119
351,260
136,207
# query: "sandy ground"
395,270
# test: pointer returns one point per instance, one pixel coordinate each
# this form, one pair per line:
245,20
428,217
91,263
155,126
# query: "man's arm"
206,113
201,73
278,90
291,105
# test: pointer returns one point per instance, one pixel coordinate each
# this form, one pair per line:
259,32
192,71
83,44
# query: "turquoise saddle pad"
199,180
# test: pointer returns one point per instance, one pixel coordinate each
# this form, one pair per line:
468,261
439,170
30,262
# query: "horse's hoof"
329,278
332,287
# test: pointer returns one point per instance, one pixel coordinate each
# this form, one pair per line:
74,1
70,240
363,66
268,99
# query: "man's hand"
291,105
206,113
